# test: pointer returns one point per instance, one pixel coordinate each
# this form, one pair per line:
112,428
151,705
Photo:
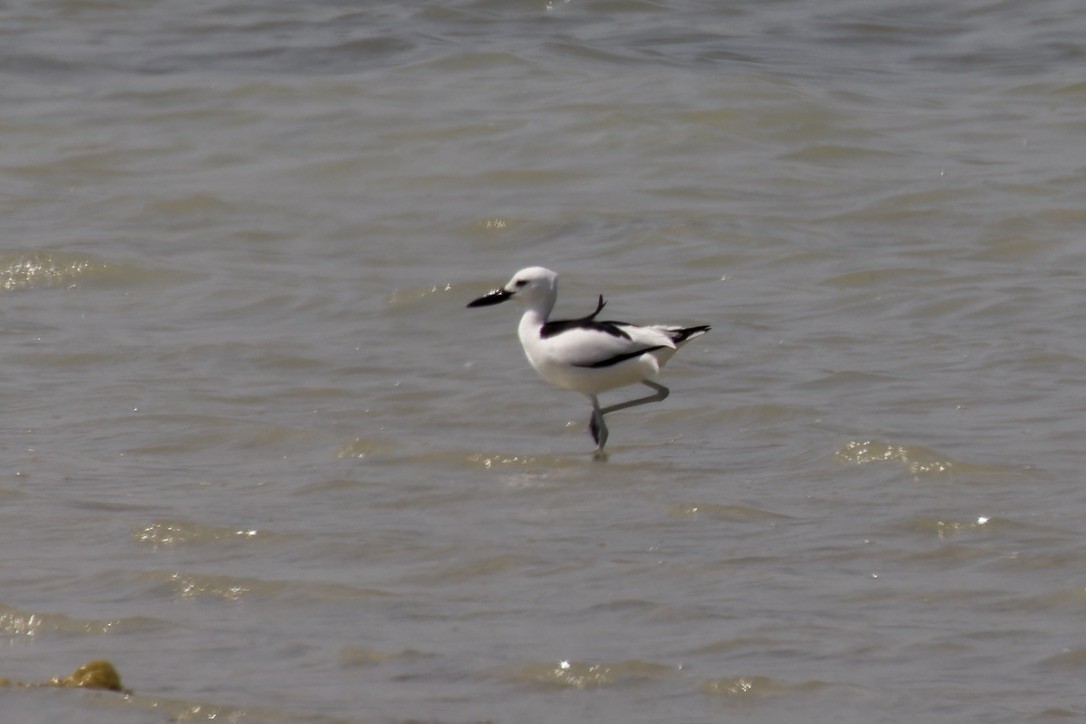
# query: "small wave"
918,460
47,269
589,675
17,622
752,686
365,447
357,656
203,586
405,300
169,533
28,270
719,511
1073,659
950,527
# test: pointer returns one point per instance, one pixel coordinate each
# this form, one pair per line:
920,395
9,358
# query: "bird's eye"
520,283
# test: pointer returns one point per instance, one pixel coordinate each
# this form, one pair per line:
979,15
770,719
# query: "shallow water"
260,457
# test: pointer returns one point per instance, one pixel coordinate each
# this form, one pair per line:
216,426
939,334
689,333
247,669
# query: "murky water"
259,456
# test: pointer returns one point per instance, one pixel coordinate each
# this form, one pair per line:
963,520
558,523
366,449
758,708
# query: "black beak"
495,297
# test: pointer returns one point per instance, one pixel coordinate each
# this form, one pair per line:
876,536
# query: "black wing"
550,329
610,361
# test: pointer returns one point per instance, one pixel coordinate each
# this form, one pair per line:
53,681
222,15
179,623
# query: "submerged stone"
97,674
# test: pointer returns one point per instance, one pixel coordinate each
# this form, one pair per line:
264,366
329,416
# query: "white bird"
587,355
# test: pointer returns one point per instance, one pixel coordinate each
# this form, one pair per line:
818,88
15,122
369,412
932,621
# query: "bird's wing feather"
591,345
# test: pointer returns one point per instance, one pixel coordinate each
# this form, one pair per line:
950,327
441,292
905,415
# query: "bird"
589,355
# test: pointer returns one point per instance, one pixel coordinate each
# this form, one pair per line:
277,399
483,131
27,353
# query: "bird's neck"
532,321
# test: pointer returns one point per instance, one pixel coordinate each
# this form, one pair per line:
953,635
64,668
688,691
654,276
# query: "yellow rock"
98,674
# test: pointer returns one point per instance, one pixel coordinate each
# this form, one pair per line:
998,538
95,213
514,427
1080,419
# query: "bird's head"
534,286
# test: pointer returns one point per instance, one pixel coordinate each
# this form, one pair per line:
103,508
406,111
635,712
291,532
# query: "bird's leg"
661,394
597,426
